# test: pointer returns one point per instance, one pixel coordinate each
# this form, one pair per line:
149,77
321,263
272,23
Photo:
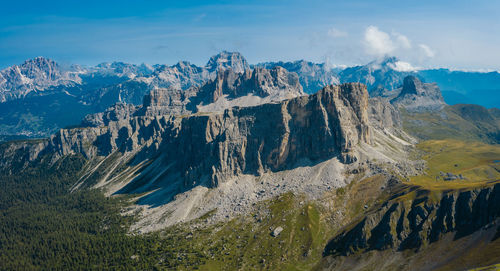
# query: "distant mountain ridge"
457,86
228,89
378,74
33,75
40,96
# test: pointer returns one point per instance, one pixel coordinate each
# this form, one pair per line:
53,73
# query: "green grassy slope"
461,122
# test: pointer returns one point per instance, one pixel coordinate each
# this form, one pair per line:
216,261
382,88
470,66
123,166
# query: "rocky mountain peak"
268,82
379,74
412,85
39,69
276,84
416,96
225,60
185,67
389,60
34,74
40,62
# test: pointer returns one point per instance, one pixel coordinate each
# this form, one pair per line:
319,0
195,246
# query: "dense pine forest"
44,226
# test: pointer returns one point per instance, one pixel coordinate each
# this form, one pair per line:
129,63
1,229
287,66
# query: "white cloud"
378,42
402,66
427,50
402,40
335,33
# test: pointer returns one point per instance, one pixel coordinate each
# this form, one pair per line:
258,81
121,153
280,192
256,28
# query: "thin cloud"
199,17
402,66
427,50
336,33
402,40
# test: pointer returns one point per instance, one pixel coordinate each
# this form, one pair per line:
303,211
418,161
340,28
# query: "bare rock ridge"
122,69
60,96
413,223
214,147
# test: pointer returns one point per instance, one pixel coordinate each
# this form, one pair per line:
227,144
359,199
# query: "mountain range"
39,96
275,166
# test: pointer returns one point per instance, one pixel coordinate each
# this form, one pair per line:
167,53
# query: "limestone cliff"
210,148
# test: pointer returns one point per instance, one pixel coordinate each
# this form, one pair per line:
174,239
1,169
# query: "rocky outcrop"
276,81
417,96
185,75
276,84
115,80
406,223
162,101
383,115
182,75
119,111
312,76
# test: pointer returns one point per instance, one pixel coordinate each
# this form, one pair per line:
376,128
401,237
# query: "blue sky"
456,34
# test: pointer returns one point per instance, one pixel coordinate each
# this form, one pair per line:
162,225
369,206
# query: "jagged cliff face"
182,75
225,81
214,147
274,137
116,81
185,75
406,223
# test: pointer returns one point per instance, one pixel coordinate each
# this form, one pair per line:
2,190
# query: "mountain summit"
417,96
379,74
33,75
225,60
